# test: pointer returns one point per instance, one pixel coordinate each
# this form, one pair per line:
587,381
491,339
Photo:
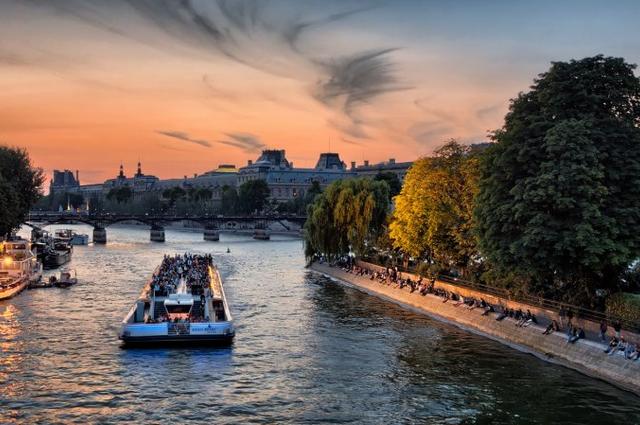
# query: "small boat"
182,303
67,278
71,237
261,234
19,268
80,239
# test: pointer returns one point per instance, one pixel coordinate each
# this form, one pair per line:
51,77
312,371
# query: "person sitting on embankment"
553,327
578,333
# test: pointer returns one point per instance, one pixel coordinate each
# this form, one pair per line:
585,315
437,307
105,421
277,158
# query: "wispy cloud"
245,141
266,36
354,80
180,135
428,132
351,142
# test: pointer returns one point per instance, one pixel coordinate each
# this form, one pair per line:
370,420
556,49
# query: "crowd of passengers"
194,269
391,276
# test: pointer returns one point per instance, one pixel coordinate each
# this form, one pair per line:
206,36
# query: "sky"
184,86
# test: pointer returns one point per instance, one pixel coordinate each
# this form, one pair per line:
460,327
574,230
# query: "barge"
19,268
182,303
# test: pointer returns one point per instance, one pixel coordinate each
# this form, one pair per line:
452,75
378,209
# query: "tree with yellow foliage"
432,219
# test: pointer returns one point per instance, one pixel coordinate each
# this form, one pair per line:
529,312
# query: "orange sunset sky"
185,86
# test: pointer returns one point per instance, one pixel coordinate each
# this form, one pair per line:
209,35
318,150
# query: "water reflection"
307,350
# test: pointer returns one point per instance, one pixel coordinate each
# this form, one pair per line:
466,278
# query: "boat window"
178,309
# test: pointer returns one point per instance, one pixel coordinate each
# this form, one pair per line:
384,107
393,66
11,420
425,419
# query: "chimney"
291,164
366,162
249,163
353,165
195,175
392,160
78,176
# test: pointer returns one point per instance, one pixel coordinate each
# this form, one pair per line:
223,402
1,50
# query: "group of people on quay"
193,269
391,276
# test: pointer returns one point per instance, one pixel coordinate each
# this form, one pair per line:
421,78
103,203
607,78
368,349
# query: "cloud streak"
179,135
246,141
264,36
354,80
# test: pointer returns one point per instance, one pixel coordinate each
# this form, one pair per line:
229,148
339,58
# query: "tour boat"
18,269
186,308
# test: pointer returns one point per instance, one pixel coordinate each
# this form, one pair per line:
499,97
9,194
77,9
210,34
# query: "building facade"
285,181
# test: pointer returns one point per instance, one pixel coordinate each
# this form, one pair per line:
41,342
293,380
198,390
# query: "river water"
307,350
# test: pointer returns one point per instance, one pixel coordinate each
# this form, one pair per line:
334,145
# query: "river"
307,350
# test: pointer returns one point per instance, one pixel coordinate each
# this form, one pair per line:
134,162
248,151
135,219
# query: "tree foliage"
121,195
20,184
229,200
392,180
348,216
299,204
253,195
432,219
174,194
559,193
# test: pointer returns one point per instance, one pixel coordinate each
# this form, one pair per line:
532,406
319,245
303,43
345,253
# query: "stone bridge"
211,224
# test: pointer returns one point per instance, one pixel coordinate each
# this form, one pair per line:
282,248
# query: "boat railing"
216,282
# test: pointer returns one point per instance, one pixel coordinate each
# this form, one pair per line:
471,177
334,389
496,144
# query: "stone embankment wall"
590,327
586,356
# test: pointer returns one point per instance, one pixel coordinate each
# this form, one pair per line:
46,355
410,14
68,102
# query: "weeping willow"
347,217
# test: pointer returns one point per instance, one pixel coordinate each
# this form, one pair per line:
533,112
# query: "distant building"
370,170
64,181
286,182
140,183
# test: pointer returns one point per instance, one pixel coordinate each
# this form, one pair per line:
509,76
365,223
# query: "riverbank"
584,356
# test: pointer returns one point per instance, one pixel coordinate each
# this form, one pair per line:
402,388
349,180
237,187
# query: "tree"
348,216
392,180
433,215
253,196
20,185
121,195
75,200
299,204
559,192
229,201
174,194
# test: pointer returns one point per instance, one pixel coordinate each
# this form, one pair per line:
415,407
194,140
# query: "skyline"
88,84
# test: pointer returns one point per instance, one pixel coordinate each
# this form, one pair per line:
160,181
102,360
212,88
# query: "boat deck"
180,303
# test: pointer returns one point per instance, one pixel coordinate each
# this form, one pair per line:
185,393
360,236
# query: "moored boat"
18,269
71,237
182,303
67,278
52,252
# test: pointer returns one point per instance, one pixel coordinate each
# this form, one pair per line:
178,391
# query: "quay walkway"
586,356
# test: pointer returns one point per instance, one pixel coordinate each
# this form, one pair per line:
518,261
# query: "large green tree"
559,194
348,216
253,196
432,219
20,184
